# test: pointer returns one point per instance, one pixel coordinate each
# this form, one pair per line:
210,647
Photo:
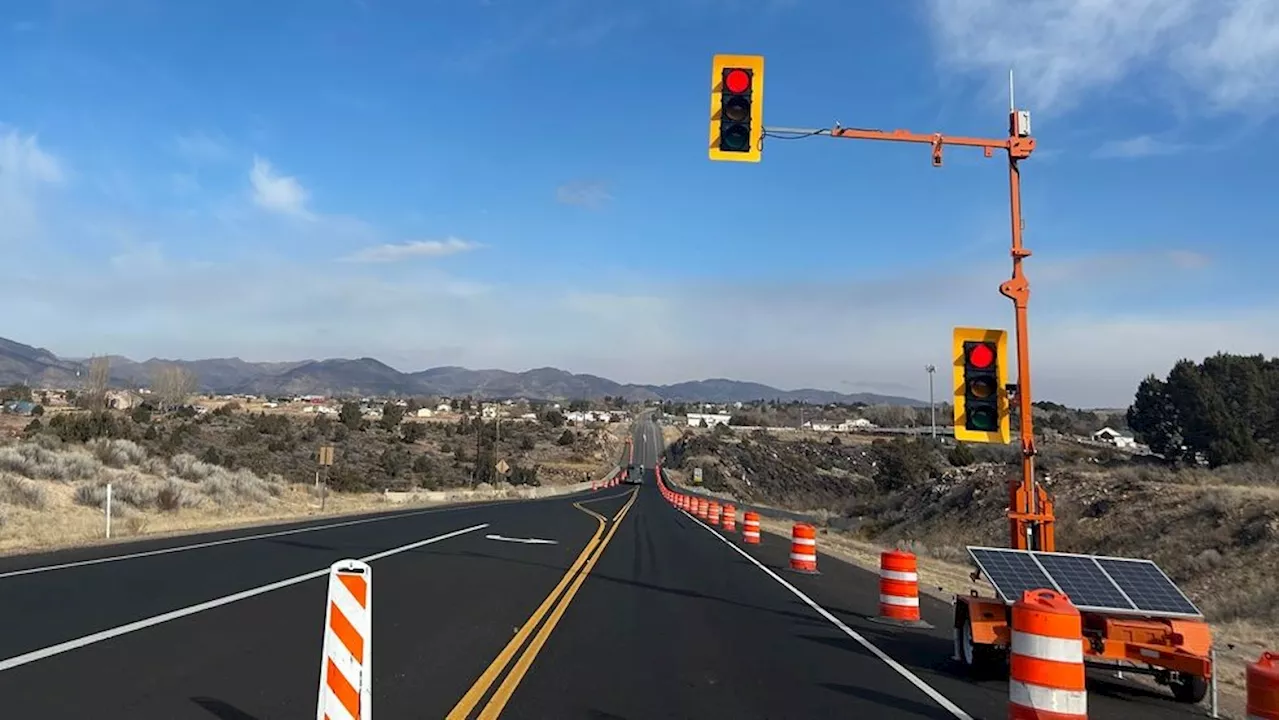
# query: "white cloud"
201,148
26,170
1224,51
589,194
871,333
278,193
411,249
1137,147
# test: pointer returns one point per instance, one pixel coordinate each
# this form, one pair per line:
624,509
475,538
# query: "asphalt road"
665,620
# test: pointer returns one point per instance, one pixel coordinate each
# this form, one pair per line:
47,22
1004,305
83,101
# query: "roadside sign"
697,476
502,467
326,455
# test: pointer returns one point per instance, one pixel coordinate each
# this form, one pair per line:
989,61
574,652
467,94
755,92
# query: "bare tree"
172,385
94,396
890,416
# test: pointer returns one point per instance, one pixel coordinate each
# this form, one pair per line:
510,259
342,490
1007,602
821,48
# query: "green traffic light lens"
735,138
737,109
982,420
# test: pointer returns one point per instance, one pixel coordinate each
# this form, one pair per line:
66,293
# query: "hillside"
367,376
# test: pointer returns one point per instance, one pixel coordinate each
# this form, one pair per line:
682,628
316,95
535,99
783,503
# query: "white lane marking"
42,653
527,541
865,643
258,536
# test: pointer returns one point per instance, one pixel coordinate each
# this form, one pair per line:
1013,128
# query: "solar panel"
1011,572
1082,580
1093,582
1147,586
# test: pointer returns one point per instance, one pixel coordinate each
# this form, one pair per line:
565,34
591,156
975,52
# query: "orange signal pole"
1030,509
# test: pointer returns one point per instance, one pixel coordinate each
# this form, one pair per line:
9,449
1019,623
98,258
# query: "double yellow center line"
576,575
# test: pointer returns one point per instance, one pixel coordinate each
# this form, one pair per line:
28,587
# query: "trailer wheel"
979,660
1188,689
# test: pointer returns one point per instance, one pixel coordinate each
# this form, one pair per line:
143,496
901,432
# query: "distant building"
1113,437
19,407
711,419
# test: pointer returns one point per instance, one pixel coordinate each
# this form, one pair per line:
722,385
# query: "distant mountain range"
366,376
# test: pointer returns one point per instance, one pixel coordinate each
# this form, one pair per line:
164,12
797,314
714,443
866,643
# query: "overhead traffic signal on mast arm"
737,107
981,376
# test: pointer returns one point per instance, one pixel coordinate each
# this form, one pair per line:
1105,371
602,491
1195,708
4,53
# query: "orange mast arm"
1030,509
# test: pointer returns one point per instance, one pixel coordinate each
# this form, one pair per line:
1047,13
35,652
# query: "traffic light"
981,376
737,101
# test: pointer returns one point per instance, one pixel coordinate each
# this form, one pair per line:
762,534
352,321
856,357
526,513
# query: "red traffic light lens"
737,80
982,356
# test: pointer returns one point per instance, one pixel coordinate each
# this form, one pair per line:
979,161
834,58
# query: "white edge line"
894,664
42,653
258,536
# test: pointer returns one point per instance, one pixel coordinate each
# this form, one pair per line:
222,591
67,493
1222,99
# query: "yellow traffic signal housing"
981,397
737,107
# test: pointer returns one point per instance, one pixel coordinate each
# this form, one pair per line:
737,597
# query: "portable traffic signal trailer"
1134,618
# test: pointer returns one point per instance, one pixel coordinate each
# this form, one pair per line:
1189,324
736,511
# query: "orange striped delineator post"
1262,688
728,523
751,528
346,665
702,509
899,590
713,513
804,549
1046,659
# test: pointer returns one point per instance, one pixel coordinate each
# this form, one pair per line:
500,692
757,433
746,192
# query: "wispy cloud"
588,194
278,193
26,170
1223,51
412,249
1139,147
201,148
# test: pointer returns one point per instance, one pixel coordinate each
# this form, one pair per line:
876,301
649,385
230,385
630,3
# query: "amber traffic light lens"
981,388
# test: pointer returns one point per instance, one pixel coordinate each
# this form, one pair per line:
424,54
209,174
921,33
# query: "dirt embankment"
1213,532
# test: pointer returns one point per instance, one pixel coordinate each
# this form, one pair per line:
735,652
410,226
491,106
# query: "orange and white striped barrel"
702,509
713,513
899,586
1262,686
346,664
751,528
728,518
804,548
1046,659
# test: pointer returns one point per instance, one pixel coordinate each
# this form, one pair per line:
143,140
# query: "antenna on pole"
1012,107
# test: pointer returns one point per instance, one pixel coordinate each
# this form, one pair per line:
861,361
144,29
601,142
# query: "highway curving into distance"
609,605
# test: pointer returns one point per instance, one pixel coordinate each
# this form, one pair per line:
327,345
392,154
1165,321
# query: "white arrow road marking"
527,541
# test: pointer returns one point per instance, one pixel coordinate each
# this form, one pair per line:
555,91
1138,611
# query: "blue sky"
503,183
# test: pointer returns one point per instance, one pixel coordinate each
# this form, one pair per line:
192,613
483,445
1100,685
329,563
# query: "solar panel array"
1092,582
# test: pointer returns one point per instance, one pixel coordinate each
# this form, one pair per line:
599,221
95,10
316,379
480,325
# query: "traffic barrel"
899,589
751,528
713,513
702,509
729,521
1262,685
804,548
1046,659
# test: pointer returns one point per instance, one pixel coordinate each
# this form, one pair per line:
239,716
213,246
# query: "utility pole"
933,417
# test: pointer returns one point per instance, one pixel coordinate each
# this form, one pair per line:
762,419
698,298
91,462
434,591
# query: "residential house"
424,412
19,407
1113,437
711,419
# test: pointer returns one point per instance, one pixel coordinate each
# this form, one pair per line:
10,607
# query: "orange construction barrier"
899,589
804,548
713,513
728,520
702,509
1046,659
751,528
1262,686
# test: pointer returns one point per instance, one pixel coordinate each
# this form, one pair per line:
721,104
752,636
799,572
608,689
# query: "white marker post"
108,508
346,665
